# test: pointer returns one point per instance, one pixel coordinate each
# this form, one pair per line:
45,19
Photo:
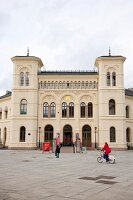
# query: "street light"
95,137
39,136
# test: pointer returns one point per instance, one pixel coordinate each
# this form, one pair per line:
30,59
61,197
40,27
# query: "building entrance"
67,135
86,136
48,134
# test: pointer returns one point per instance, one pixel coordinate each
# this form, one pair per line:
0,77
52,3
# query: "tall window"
90,110
27,78
108,78
23,106
127,111
64,109
112,134
71,109
82,109
52,110
113,79
111,107
45,109
22,134
22,79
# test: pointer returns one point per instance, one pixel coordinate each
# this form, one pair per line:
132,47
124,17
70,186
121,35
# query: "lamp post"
95,137
39,136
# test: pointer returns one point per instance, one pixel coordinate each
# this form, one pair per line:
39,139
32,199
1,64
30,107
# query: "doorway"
67,136
86,136
48,134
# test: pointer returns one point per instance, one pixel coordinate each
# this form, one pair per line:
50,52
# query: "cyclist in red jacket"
106,149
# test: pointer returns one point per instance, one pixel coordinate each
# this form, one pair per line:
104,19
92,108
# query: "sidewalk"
31,175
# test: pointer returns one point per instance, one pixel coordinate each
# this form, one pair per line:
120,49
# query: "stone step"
66,149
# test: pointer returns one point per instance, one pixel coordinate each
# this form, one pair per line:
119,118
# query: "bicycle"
101,158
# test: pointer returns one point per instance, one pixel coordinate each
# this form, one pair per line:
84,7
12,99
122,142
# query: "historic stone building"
92,104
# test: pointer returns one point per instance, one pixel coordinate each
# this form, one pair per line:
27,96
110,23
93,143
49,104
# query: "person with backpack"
106,149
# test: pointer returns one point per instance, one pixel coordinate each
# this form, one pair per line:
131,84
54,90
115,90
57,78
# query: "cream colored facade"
93,105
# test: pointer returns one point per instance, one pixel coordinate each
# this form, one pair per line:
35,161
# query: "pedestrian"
58,146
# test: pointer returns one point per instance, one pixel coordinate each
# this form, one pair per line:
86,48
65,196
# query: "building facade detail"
42,104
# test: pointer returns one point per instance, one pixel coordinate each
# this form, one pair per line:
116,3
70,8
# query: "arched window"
52,110
113,79
27,78
22,134
108,78
23,106
111,107
90,110
45,109
82,109
64,109
21,79
127,111
71,109
112,134
128,135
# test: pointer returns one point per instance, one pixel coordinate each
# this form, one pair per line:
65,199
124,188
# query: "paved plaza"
31,175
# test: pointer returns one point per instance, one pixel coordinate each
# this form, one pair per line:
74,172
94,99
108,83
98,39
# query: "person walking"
58,146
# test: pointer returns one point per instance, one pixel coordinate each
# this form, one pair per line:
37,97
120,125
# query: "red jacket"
106,149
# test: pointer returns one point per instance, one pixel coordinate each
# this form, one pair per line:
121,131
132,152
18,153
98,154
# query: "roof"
8,94
28,57
68,73
129,92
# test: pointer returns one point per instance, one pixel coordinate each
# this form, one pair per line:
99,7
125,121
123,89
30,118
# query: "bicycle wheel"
111,159
99,159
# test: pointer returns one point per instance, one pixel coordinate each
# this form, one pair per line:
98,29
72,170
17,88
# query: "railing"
68,85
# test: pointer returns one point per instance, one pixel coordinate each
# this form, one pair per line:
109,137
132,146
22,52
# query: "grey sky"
65,34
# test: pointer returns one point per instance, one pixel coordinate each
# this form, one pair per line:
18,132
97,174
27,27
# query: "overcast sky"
65,34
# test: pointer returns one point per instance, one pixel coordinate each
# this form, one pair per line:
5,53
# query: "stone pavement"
31,175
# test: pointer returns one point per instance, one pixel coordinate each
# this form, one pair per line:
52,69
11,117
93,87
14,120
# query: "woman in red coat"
106,149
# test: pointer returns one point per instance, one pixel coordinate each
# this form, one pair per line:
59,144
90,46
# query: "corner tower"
111,98
24,102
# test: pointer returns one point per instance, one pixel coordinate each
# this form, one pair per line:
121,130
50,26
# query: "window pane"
45,110
112,135
82,109
21,79
64,109
23,107
111,107
108,78
71,109
114,79
90,110
27,78
52,110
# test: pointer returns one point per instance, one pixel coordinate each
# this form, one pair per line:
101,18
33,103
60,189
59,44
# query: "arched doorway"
48,134
67,135
86,136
